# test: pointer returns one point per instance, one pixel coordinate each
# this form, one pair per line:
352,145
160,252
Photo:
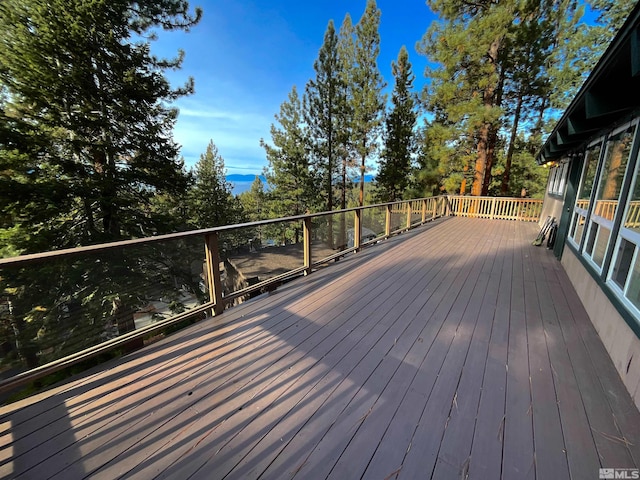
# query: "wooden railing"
70,305
499,208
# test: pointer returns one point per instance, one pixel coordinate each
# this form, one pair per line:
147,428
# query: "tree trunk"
463,184
343,204
491,149
362,168
487,135
330,187
481,161
506,176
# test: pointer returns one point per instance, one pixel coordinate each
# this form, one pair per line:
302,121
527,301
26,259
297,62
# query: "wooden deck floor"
455,350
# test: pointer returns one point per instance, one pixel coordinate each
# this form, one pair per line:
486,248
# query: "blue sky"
245,56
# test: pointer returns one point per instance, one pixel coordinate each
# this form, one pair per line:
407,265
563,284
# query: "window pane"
601,245
579,228
563,177
623,262
592,238
574,224
615,165
591,164
633,290
632,220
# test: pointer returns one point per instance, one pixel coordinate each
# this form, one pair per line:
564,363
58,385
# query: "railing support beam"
387,222
357,229
306,229
212,264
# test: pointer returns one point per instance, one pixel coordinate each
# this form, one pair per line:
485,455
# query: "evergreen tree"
425,176
467,86
365,85
346,56
324,114
85,146
253,203
211,202
89,109
395,164
291,181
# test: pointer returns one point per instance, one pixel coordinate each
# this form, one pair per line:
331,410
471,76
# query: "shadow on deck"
457,349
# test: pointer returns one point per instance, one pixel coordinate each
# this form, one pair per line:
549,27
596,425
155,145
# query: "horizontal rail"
88,264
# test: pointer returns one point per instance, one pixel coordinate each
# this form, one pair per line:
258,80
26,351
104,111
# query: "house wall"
620,341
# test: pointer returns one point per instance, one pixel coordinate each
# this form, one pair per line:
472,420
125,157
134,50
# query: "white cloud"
237,136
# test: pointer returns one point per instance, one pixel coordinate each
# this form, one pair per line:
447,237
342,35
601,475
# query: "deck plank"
549,444
460,324
486,451
518,449
457,349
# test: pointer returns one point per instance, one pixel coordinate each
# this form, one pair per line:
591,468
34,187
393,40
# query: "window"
601,194
616,157
624,275
558,179
583,199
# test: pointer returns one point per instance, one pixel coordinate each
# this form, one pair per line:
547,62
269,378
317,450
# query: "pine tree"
211,202
89,106
253,201
395,164
346,56
468,85
253,206
324,114
86,140
291,181
365,85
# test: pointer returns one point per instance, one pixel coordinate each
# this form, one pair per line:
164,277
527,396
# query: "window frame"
577,210
625,233
602,222
558,178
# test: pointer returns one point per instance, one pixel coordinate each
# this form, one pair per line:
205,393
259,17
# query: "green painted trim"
571,189
627,316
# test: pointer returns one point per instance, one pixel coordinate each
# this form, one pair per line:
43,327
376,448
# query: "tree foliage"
292,183
85,146
399,141
211,203
501,69
365,84
325,114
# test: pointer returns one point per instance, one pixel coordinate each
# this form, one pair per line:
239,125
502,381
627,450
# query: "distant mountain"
239,177
242,182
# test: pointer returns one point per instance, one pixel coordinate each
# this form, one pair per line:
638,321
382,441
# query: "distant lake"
239,187
242,183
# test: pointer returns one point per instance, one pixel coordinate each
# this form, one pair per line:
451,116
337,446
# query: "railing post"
357,229
424,210
408,214
387,222
306,230
493,208
214,283
447,206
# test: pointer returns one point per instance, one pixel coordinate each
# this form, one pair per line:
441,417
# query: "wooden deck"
455,350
